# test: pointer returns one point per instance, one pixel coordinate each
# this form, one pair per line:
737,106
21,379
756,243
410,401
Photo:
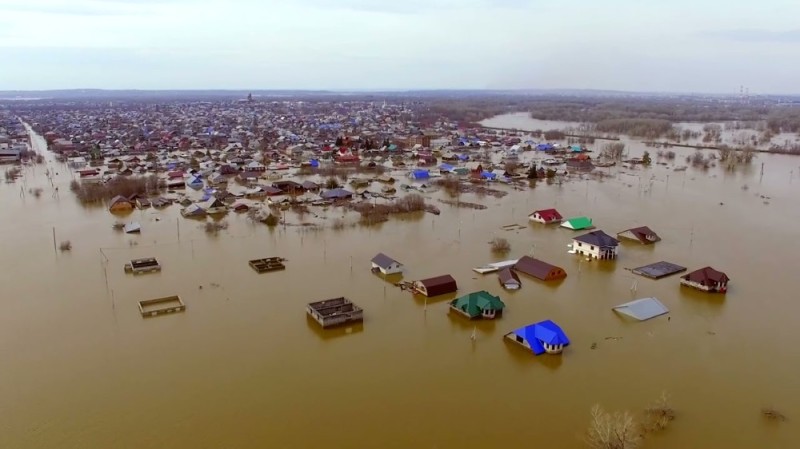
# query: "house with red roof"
545,216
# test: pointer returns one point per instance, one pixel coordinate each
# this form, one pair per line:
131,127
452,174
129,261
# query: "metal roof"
642,309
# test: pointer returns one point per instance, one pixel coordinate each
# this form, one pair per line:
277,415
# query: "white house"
596,244
386,265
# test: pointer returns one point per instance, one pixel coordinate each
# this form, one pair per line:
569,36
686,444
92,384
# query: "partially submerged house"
642,234
596,244
334,312
120,204
386,265
706,279
478,305
539,269
439,285
145,265
509,279
337,194
542,337
545,216
642,309
214,206
577,223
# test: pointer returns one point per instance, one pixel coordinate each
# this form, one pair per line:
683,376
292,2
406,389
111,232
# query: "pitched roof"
642,309
534,267
384,261
506,275
444,279
706,274
577,223
597,238
644,234
476,302
119,199
542,332
548,214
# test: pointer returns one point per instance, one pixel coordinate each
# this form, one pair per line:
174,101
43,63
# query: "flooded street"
243,367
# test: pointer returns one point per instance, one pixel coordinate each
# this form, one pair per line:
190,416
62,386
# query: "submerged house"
577,223
539,269
706,279
542,337
546,216
337,194
509,279
214,206
333,312
642,234
120,204
596,244
478,305
386,265
439,285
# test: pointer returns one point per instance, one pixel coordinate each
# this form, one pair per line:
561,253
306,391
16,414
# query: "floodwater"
242,367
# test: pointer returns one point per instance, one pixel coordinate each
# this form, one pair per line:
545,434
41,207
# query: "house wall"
592,250
524,343
706,288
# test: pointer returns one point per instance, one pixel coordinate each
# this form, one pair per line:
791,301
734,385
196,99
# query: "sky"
694,46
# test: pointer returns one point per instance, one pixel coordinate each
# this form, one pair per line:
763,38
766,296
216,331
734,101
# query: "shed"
386,265
310,186
642,309
539,269
439,285
706,279
478,305
642,234
509,279
542,337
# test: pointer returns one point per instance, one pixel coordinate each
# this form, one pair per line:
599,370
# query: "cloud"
757,35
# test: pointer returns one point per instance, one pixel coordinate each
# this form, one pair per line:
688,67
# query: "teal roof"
475,303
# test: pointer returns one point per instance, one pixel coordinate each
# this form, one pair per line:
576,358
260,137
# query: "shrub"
410,203
271,220
213,227
332,183
66,245
338,224
772,414
658,415
500,245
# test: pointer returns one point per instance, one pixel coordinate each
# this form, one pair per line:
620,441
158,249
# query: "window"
592,247
519,339
580,244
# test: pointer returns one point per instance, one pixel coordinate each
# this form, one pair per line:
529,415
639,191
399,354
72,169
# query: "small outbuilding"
439,285
545,216
707,279
386,265
642,234
337,194
542,337
539,269
478,305
509,279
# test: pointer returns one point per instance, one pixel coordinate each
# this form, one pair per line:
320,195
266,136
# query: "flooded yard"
243,367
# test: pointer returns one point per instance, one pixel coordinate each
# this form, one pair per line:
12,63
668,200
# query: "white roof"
642,309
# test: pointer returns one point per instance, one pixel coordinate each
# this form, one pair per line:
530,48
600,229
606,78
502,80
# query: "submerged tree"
646,158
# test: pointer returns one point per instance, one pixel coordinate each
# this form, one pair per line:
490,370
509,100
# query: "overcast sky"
636,45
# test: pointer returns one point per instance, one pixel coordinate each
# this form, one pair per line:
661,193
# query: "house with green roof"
478,305
577,223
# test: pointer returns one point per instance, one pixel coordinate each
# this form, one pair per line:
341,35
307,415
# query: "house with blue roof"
420,174
542,337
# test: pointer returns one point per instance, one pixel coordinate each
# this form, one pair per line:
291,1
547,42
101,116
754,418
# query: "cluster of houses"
596,244
13,139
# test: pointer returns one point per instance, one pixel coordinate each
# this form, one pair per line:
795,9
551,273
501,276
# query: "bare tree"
616,430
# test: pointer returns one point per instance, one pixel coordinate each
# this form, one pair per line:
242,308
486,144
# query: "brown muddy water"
242,367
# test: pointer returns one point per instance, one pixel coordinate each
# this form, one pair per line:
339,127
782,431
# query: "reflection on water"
81,368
